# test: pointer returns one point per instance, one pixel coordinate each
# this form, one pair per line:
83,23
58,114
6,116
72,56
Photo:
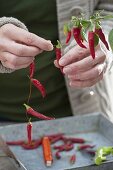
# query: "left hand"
81,69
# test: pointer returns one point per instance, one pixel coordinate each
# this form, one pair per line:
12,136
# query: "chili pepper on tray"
29,132
91,152
32,112
59,54
56,139
78,37
39,86
91,41
57,154
83,147
33,145
54,135
72,159
101,35
74,140
68,147
64,147
18,142
32,69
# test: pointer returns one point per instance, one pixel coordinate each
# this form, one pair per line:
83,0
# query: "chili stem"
29,96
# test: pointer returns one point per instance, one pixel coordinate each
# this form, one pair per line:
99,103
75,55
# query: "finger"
7,64
86,83
75,54
21,49
56,63
85,63
89,74
20,35
15,60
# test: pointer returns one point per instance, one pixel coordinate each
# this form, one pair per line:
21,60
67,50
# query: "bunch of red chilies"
31,111
82,30
66,144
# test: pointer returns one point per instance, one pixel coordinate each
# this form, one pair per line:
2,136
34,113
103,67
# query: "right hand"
18,47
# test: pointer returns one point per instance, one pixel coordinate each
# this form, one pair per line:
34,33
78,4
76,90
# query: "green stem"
29,92
30,86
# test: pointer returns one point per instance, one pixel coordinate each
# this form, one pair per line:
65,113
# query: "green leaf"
96,39
108,16
70,25
85,24
75,21
83,34
65,29
110,39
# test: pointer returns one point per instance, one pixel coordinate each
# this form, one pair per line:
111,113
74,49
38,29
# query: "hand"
81,69
18,47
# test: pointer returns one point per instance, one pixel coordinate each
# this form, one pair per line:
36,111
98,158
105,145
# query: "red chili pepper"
73,159
37,114
19,142
74,140
56,139
57,155
32,69
67,32
78,37
91,42
59,54
83,147
29,132
68,147
91,152
38,85
64,147
58,147
68,37
33,145
54,135
101,35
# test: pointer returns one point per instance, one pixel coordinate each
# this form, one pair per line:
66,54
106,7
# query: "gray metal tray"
92,127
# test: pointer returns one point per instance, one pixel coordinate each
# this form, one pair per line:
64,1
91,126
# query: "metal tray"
93,127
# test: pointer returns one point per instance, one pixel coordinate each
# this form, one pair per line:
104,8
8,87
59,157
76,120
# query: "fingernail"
50,47
62,62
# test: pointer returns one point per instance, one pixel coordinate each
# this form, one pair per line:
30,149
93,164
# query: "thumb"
75,54
56,63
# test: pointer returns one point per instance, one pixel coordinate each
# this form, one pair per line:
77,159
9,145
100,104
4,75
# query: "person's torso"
40,17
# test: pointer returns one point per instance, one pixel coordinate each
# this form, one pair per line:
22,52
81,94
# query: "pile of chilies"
82,30
66,144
